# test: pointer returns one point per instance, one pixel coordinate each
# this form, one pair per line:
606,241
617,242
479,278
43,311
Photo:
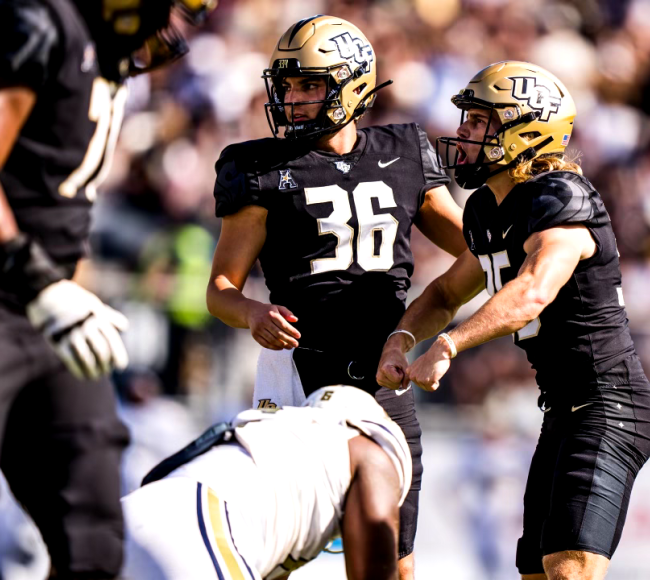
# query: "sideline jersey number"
492,265
337,224
107,111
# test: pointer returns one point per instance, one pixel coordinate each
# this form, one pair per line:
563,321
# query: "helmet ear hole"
530,135
360,89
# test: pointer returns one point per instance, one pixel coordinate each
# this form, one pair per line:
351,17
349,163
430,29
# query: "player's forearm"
427,315
508,311
227,303
370,526
8,226
16,104
441,220
26,267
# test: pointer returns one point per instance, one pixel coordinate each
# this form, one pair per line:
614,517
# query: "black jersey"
337,251
50,175
584,331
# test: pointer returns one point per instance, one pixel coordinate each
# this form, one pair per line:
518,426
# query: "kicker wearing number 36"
328,209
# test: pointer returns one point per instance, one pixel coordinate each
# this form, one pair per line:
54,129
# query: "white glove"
81,328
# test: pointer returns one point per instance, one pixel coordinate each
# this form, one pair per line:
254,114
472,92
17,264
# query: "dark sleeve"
434,175
28,42
468,224
562,198
237,184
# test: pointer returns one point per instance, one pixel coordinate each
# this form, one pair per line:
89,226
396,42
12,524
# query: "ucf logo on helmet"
538,97
354,49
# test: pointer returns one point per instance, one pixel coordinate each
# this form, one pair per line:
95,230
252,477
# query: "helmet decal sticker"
538,97
354,49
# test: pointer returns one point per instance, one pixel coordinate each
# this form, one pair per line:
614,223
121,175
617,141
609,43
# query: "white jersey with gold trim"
274,494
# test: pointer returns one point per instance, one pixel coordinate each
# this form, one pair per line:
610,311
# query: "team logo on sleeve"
286,180
354,49
538,97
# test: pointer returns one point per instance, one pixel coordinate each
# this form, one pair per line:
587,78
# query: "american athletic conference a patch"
286,180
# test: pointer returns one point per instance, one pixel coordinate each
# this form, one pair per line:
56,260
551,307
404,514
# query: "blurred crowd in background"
155,230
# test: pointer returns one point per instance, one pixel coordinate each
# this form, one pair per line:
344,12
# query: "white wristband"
402,331
450,342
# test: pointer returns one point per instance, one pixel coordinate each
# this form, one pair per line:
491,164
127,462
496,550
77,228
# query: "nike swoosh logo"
506,232
574,409
382,164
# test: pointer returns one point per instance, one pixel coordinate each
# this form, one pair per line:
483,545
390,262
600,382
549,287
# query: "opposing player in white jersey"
260,497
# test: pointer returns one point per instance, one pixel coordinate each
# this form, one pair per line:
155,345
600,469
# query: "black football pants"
60,450
320,369
589,453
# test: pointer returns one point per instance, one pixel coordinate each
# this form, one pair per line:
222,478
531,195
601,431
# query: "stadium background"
155,232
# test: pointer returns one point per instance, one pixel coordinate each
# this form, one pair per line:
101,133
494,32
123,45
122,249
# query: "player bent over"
542,243
264,495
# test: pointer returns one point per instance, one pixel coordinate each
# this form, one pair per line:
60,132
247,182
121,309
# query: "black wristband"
26,269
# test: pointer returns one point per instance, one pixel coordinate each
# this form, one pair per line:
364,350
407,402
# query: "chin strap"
482,173
527,118
374,91
360,110
531,152
523,157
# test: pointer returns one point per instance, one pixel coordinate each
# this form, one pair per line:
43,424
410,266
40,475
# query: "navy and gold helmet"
136,36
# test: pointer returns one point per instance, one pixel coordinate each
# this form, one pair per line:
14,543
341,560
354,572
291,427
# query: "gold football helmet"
196,11
327,47
136,36
536,113
166,44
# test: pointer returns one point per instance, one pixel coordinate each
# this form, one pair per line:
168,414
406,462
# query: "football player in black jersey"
328,209
541,242
62,63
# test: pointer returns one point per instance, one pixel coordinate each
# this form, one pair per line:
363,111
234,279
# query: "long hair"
543,163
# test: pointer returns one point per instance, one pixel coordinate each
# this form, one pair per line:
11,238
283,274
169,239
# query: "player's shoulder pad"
563,198
29,37
408,141
434,175
238,170
393,139
390,437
